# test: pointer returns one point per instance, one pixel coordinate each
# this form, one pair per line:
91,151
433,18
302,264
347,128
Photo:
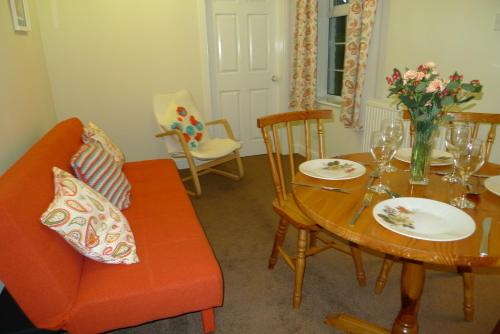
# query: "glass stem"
380,171
465,179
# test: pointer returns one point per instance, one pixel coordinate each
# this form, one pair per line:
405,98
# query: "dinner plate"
439,158
493,184
424,219
332,169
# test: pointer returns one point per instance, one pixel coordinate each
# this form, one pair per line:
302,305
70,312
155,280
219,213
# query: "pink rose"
410,75
430,64
434,86
419,76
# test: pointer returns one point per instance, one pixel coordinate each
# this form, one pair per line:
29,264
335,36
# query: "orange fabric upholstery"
40,270
58,288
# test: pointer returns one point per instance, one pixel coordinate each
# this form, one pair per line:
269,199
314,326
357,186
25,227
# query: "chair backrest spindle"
472,117
272,124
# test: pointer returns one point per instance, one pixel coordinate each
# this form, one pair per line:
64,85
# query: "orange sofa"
57,288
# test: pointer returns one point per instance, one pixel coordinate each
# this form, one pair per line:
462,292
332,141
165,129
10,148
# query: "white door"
243,65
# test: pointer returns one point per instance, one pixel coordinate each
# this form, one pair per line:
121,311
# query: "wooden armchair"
468,279
284,204
211,152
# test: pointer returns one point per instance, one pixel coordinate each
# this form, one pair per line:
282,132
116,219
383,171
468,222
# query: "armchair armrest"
181,139
226,125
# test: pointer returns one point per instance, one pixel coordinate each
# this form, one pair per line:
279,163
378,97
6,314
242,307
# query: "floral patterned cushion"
94,133
187,120
89,222
96,167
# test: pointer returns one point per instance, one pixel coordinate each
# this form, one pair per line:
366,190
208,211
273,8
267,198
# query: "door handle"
274,78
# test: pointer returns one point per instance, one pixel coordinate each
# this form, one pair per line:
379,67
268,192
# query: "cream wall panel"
26,107
456,34
106,60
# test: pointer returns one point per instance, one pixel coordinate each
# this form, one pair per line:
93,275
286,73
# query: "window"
337,21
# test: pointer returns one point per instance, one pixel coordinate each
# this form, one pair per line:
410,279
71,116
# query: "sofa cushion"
94,133
178,272
96,167
89,222
40,270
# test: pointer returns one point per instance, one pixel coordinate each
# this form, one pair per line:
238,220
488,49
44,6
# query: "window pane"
340,2
339,56
334,86
339,24
336,50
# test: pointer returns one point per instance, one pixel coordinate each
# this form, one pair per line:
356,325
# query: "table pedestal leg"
412,284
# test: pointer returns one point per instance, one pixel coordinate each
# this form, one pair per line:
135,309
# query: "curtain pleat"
303,90
360,22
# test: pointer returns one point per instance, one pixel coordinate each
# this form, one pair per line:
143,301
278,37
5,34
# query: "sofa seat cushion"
178,272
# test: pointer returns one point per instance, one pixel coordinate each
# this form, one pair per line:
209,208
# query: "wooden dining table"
333,210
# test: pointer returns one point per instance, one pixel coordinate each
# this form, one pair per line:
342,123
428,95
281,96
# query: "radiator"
375,112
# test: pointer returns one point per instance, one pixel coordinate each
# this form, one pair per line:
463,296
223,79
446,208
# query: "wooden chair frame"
284,204
207,167
466,272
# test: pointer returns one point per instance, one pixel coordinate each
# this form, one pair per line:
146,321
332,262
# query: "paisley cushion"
96,167
94,133
89,222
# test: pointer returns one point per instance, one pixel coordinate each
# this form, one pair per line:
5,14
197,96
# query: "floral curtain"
303,92
360,23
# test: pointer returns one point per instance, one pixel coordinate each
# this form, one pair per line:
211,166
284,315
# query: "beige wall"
26,108
456,34
106,59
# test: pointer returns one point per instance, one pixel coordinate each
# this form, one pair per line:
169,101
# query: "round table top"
333,211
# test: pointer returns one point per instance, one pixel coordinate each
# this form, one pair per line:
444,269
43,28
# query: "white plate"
493,184
339,169
439,158
425,219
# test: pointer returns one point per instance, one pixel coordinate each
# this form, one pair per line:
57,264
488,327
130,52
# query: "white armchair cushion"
215,148
178,111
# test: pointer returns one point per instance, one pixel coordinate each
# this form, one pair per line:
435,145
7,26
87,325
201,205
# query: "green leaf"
467,99
447,118
453,85
421,87
447,101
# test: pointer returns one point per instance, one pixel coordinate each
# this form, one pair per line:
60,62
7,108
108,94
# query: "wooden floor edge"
352,325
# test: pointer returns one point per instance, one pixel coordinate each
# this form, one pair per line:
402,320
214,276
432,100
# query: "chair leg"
279,237
239,163
468,281
313,239
358,264
384,272
194,174
208,319
300,266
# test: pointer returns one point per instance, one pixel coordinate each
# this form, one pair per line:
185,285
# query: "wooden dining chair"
477,119
274,128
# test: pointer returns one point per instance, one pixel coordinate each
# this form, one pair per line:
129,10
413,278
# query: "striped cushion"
96,167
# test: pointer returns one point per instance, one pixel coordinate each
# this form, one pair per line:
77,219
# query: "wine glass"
468,159
457,135
383,148
393,129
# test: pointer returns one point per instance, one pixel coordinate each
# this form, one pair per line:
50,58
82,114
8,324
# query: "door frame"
283,55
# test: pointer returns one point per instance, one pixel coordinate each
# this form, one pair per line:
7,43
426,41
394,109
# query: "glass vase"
423,143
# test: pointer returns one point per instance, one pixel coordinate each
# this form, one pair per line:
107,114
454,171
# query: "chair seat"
215,148
293,214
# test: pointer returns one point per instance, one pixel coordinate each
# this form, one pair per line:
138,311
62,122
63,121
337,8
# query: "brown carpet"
240,225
